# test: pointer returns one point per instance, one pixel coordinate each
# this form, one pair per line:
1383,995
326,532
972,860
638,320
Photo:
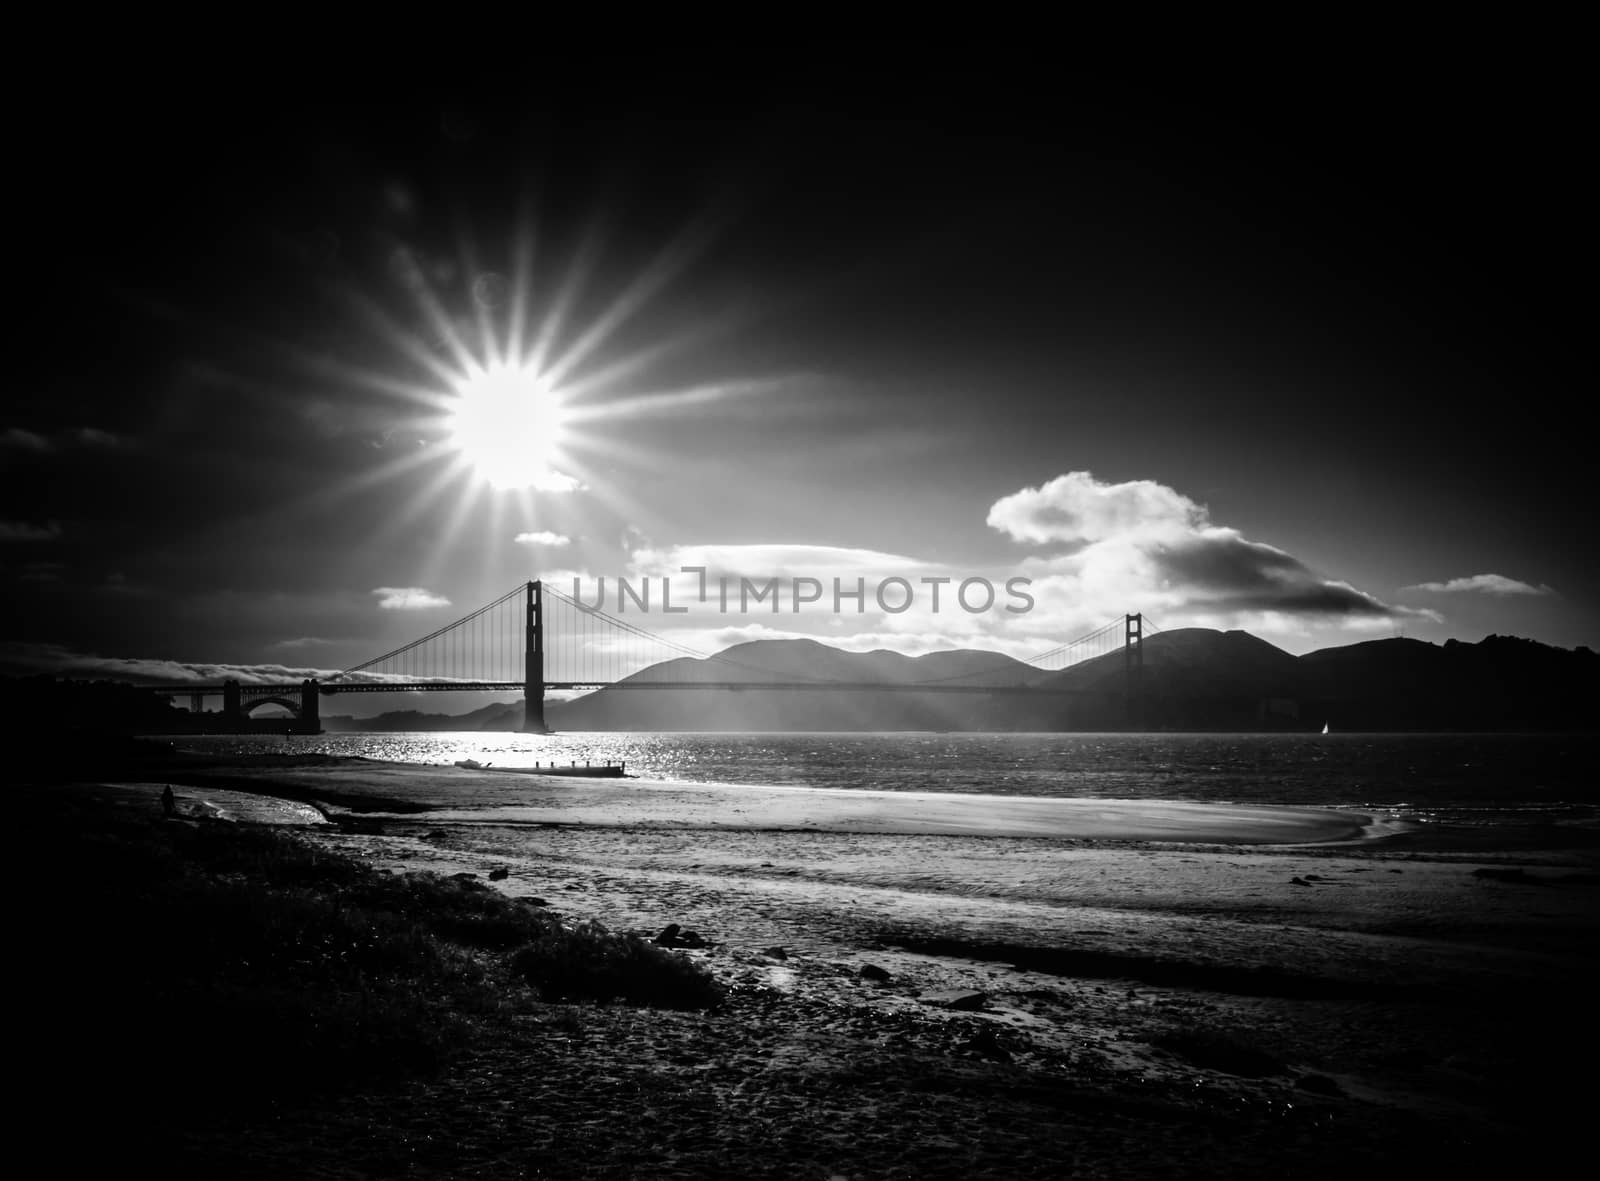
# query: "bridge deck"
517,686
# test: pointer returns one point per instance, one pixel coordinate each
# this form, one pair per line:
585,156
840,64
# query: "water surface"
1466,778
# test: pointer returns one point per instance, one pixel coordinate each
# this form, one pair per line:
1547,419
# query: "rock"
536,902
955,998
776,953
1508,875
986,1044
672,935
1298,881
873,972
499,875
1318,1084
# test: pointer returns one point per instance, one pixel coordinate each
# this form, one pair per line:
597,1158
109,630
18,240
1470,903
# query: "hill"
633,705
496,717
1191,679
1499,683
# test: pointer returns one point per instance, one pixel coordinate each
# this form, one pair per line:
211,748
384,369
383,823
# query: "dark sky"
1332,302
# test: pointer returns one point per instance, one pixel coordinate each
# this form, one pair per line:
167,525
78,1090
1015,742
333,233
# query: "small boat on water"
1324,727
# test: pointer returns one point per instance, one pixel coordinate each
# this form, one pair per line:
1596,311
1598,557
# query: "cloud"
1078,508
27,657
554,481
749,569
408,598
1489,584
17,439
53,658
775,560
94,437
542,537
916,643
1226,571
1142,546
89,437
23,531
41,572
302,642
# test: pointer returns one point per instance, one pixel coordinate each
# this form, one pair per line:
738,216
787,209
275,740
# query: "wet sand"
1340,978
459,794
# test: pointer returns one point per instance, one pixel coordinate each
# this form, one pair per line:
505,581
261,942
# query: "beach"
933,984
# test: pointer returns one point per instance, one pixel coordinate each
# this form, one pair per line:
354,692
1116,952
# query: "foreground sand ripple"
1394,978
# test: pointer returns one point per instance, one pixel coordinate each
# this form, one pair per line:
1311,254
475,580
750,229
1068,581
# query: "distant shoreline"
375,787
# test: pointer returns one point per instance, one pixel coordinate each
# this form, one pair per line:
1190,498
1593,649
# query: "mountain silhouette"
631,704
500,716
1189,678
1501,682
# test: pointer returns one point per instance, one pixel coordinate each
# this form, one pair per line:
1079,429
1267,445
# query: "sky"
1288,350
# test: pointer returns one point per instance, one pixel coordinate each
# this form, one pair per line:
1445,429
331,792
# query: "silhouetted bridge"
546,640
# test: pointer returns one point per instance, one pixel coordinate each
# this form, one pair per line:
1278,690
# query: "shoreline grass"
238,965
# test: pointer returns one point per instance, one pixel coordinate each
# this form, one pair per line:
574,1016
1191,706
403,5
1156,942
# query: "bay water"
1456,778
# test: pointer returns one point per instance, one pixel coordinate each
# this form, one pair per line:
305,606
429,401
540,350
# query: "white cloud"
17,439
713,640
1142,546
748,570
93,438
63,661
1093,552
41,572
1077,507
408,598
777,560
26,657
23,531
543,537
554,481
1489,584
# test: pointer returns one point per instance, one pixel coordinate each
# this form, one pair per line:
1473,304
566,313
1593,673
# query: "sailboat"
1324,727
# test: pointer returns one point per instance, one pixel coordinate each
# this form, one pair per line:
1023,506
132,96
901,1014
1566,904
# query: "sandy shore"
1374,983
459,794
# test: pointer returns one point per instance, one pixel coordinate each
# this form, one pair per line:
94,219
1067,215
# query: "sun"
508,423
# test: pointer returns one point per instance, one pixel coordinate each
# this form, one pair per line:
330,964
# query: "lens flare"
508,424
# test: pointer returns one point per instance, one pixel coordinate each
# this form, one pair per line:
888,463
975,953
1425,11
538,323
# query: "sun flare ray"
662,270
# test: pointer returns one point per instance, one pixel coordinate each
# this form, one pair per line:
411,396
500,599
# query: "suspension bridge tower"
1133,667
533,668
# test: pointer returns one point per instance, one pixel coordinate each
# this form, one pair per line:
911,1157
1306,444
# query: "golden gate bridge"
535,639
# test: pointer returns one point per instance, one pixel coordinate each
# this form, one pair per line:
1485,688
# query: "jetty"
591,770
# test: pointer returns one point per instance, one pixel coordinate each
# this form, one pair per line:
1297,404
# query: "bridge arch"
249,707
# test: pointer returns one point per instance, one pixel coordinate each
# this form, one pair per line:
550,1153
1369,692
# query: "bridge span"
597,651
